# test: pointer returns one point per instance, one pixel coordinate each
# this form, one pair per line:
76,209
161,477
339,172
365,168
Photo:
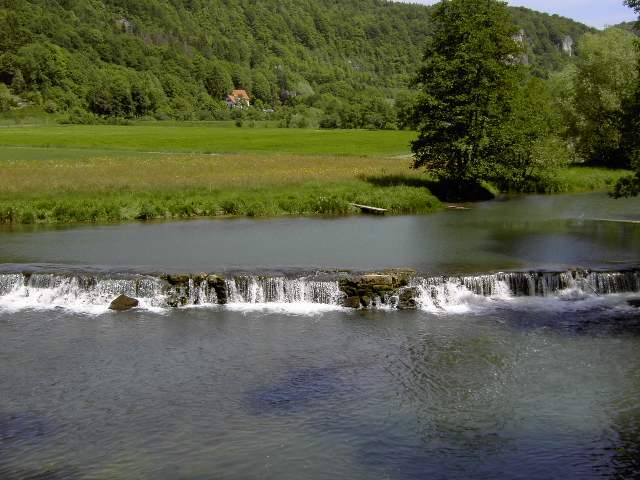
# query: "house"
238,99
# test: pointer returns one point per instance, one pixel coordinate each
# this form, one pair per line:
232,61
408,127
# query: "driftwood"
368,209
613,220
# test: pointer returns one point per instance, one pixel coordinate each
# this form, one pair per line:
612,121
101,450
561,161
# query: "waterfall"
451,293
253,289
81,292
93,293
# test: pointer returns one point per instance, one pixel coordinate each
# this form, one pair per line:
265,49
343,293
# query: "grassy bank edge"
121,205
304,200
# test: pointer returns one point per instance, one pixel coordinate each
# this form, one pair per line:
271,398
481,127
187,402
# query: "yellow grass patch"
102,173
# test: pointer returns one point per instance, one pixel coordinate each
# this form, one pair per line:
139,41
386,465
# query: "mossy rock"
407,299
349,291
215,280
376,279
200,277
178,279
383,288
352,302
177,300
220,286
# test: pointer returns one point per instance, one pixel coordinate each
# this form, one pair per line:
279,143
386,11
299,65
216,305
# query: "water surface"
283,384
532,232
205,393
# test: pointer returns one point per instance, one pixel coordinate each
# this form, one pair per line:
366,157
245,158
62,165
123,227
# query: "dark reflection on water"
626,457
405,395
47,473
597,322
22,426
300,387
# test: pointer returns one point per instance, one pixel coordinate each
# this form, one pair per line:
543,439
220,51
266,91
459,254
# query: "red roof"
237,94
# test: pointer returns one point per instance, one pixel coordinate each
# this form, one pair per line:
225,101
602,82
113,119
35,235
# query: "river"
521,359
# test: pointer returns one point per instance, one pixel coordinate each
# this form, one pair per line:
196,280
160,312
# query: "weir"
393,290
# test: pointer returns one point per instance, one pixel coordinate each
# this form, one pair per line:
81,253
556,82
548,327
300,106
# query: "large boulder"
123,303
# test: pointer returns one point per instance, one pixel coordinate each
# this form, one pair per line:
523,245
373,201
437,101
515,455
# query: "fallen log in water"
369,209
613,220
457,207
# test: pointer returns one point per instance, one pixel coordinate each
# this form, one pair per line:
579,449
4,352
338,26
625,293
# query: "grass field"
211,138
60,174
60,185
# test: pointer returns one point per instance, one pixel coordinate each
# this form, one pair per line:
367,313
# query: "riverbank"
80,174
116,188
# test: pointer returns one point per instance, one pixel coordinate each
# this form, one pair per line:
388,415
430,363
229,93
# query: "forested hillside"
333,63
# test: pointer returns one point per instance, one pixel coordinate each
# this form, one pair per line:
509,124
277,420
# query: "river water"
512,375
530,232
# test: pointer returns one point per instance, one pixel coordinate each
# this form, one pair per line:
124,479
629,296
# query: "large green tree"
605,81
467,83
630,186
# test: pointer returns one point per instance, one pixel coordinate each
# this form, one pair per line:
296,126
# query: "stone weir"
394,289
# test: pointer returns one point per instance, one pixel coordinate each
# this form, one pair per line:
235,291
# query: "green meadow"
69,174
211,138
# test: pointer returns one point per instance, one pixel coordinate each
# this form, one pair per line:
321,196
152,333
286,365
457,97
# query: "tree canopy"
177,58
631,127
467,84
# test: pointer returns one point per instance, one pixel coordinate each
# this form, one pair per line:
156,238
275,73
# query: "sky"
597,13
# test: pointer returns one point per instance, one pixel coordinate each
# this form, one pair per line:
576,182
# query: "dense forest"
328,63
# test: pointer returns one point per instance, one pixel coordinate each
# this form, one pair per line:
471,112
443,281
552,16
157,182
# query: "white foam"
569,291
50,292
456,297
298,308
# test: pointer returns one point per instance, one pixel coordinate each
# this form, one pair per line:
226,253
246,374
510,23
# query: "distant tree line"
317,63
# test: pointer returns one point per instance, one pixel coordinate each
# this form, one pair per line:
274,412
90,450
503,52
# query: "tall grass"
96,187
64,185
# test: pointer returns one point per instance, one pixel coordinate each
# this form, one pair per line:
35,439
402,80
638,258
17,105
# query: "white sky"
596,13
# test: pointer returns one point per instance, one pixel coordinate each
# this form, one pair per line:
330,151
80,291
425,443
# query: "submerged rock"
22,426
634,302
123,303
295,392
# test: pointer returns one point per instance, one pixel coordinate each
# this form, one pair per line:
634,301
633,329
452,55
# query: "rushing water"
503,370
